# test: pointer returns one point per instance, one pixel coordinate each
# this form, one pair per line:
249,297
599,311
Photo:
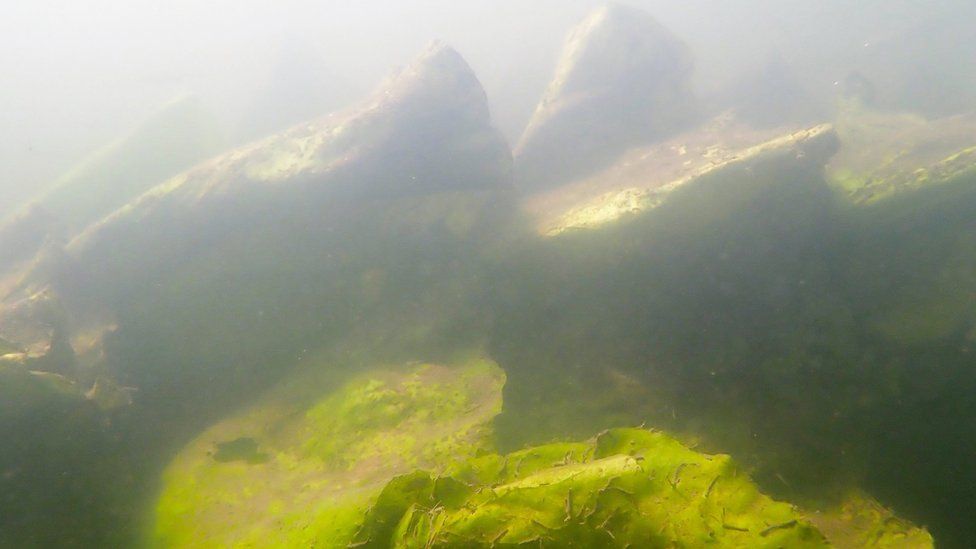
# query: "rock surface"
426,130
360,232
642,179
623,80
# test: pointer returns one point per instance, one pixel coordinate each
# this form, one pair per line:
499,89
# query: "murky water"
575,275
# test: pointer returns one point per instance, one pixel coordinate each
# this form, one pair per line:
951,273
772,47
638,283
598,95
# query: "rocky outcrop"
886,154
644,178
623,80
358,232
357,226
401,459
426,130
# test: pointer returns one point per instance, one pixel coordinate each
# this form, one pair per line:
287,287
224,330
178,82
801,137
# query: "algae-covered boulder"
624,488
301,467
402,457
643,180
860,521
623,80
216,281
885,154
426,130
770,307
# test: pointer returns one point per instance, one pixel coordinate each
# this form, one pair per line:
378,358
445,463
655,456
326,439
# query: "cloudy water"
488,274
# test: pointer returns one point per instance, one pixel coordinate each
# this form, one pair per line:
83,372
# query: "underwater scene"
488,273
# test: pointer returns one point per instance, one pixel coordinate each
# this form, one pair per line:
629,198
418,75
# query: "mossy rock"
301,467
399,457
624,488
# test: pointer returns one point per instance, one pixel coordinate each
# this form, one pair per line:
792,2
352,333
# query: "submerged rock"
886,154
341,480
426,130
284,243
302,466
108,395
623,80
643,179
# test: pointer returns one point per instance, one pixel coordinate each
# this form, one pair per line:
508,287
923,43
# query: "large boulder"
623,80
362,226
710,289
424,131
359,231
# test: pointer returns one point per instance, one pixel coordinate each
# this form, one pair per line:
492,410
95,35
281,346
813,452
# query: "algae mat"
402,457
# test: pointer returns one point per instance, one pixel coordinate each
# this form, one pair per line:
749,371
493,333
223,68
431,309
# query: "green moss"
325,459
626,487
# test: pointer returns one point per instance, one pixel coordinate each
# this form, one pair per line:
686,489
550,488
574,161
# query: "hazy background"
78,74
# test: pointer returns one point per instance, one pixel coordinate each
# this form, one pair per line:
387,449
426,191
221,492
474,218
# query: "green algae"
327,457
623,488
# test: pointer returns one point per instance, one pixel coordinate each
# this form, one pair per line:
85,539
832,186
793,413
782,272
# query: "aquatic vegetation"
346,486
306,340
625,487
327,446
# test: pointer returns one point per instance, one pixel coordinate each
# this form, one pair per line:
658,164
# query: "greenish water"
363,331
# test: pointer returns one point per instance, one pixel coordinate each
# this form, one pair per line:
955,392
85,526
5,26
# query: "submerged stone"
302,466
645,178
623,80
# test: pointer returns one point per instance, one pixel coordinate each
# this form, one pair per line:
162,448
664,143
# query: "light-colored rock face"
643,177
622,80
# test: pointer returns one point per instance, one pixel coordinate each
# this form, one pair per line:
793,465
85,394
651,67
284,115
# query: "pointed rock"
426,129
623,80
